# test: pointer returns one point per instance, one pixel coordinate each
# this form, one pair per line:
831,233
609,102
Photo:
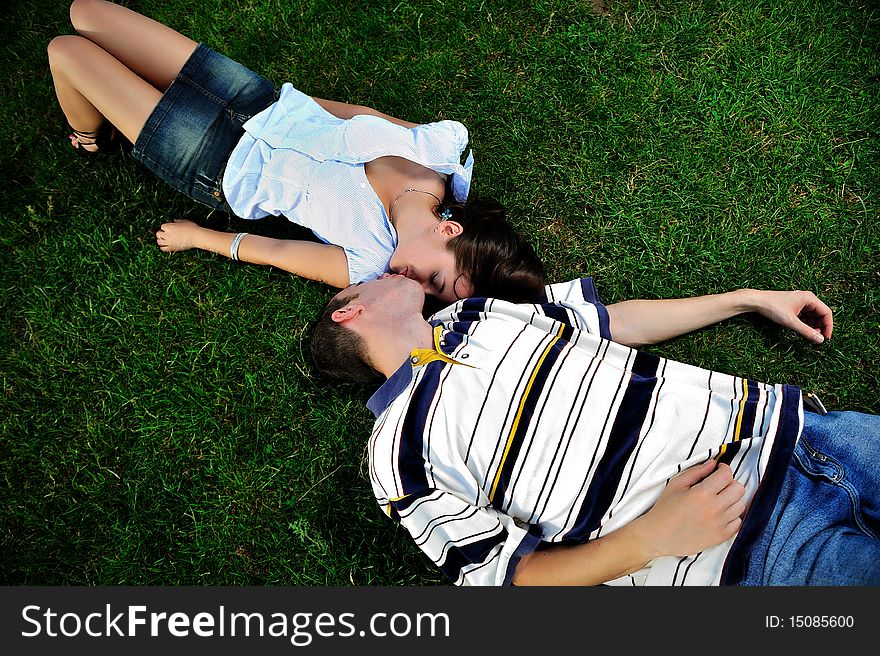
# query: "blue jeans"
825,527
188,137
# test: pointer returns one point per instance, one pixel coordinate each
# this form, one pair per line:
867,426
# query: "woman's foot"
83,141
100,140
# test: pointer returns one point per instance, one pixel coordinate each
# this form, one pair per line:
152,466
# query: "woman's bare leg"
92,85
152,50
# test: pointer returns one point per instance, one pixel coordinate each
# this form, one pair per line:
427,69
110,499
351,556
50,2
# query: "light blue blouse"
297,159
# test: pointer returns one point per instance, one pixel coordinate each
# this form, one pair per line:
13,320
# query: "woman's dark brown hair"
495,258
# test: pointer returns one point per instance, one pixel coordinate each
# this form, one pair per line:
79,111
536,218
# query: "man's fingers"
734,510
808,332
817,315
717,480
731,493
733,526
692,475
821,317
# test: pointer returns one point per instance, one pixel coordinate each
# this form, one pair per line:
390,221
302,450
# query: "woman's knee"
83,12
63,47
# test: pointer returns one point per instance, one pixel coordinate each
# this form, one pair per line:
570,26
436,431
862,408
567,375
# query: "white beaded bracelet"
233,249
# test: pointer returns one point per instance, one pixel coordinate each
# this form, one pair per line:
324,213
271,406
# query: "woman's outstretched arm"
322,262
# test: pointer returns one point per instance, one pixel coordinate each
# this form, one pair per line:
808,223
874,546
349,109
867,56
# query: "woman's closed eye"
438,285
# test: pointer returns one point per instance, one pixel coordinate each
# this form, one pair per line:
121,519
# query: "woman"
381,193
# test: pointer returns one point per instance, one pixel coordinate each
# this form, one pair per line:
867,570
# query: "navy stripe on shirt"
768,491
621,442
411,460
528,408
475,552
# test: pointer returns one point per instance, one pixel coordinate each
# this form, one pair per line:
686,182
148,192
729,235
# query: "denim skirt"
188,137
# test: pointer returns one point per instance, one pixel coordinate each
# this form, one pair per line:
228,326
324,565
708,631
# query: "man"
532,444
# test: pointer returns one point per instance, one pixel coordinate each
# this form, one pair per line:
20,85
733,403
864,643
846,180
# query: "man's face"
392,293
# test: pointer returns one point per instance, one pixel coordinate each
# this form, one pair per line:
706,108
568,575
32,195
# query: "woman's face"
427,259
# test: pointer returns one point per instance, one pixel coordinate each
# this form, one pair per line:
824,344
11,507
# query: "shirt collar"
400,379
390,389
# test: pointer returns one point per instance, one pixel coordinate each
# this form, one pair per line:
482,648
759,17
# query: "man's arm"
698,509
323,262
346,111
640,322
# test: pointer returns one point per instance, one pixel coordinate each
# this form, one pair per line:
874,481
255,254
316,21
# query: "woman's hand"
699,508
177,236
801,311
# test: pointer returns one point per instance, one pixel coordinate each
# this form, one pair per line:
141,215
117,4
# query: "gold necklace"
406,191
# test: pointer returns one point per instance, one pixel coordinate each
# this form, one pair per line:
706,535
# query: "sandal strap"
92,136
102,137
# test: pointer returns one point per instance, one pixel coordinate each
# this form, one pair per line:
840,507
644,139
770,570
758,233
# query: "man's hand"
177,236
801,311
701,507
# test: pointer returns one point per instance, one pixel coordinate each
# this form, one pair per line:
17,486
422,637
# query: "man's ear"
449,229
347,313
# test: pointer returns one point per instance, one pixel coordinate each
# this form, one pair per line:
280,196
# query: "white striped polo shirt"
527,426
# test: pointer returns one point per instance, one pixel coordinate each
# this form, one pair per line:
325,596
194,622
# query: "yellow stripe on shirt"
519,411
742,410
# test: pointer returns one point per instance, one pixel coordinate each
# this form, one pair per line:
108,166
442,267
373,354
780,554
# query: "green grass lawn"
159,422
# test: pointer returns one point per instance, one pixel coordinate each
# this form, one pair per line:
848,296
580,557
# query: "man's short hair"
337,351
